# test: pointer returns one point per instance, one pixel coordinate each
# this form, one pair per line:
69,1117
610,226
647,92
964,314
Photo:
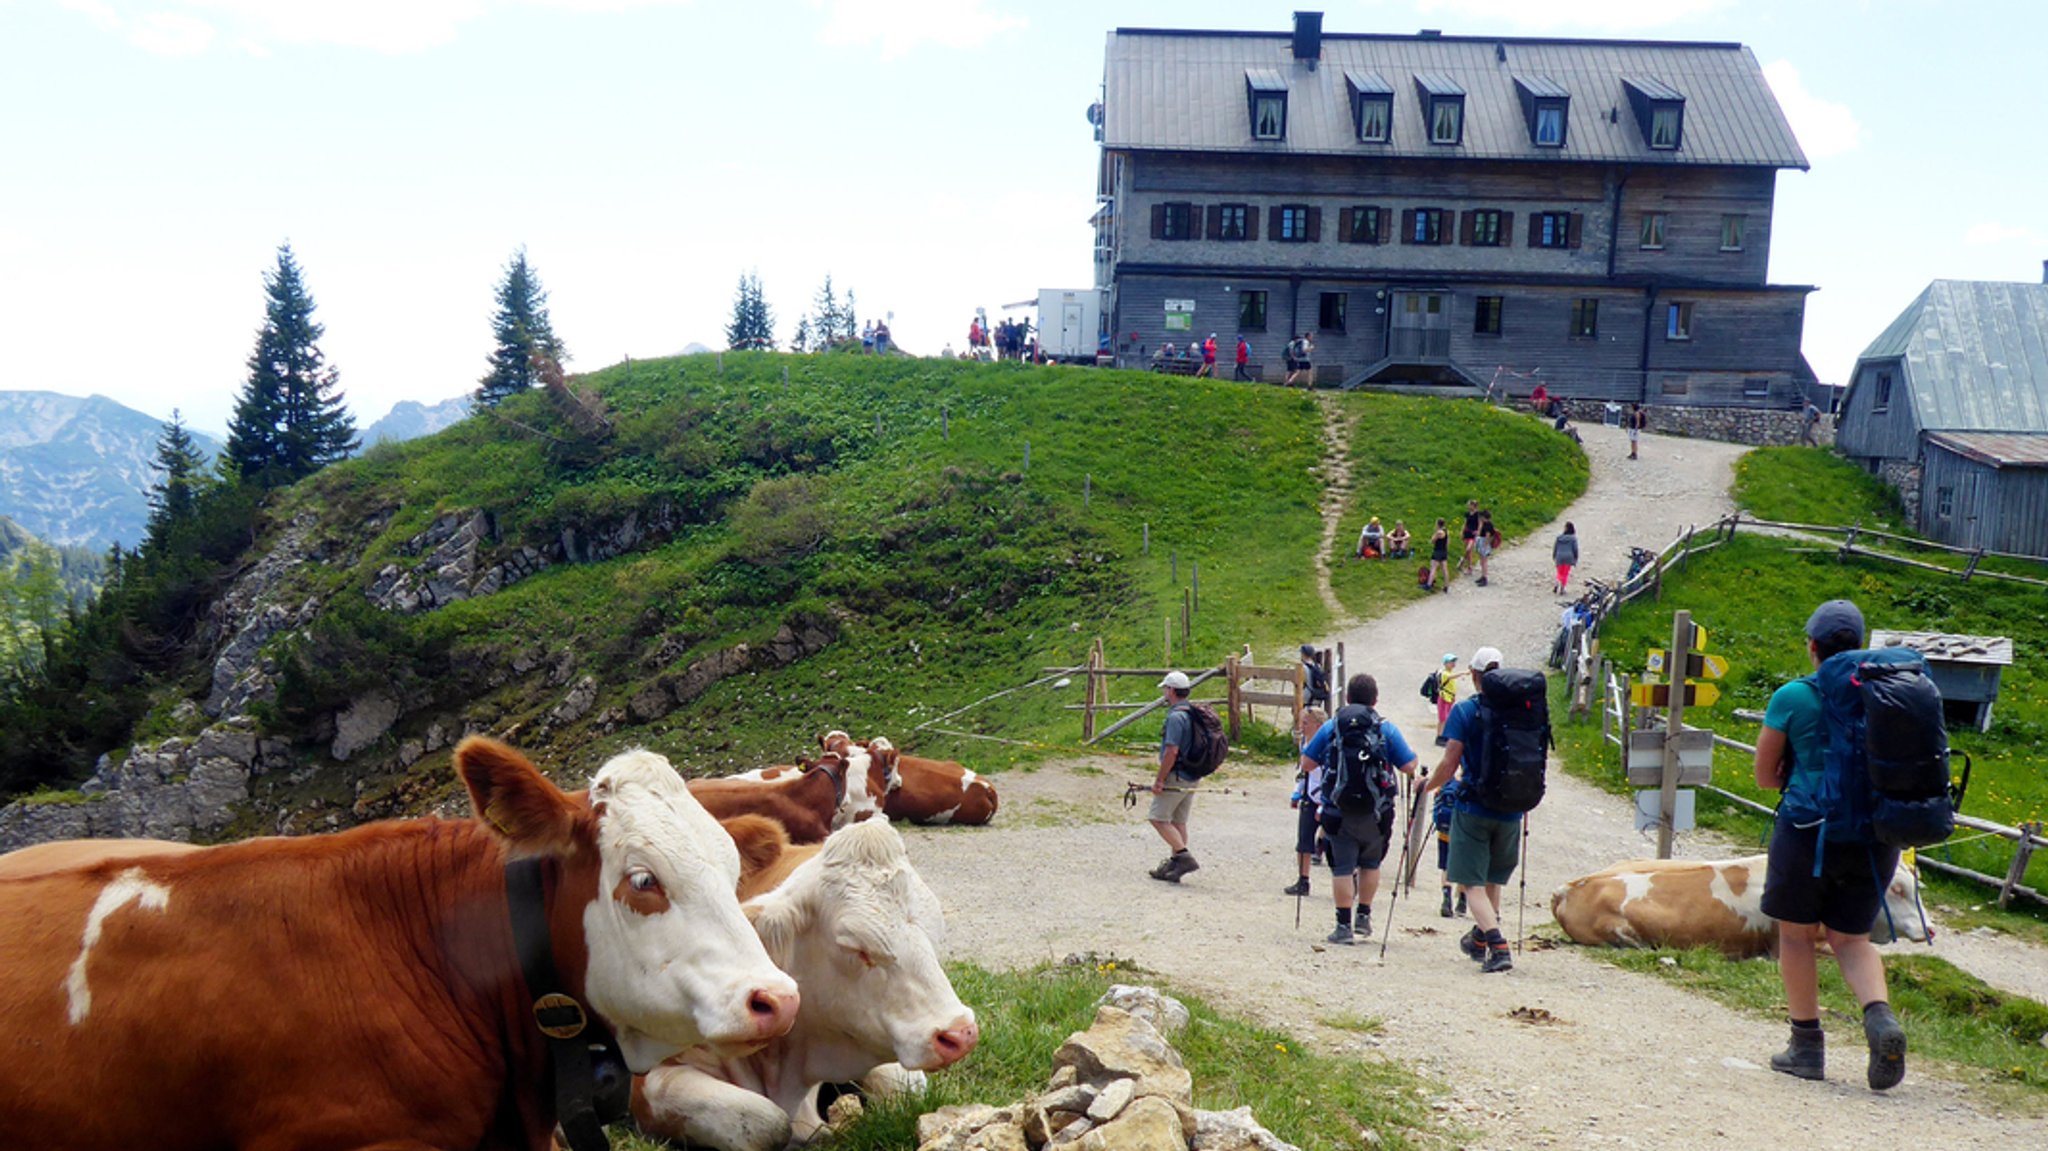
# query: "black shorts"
1361,843
1305,829
1845,897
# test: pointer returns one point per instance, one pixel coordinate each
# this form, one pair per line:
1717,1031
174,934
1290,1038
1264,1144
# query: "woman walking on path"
1470,534
1440,558
1485,542
1565,554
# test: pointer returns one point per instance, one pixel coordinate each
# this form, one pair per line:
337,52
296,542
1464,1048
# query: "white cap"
1484,658
1177,680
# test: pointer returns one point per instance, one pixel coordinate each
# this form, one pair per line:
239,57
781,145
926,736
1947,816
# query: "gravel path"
1629,1061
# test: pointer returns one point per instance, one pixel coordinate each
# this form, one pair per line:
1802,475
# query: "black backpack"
1207,745
1357,775
1514,721
1886,771
1430,686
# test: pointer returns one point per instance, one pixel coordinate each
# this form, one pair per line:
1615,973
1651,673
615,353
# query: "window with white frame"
1375,119
1269,116
1549,124
1446,119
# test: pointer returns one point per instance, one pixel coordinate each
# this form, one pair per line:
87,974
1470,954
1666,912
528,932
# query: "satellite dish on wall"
1095,114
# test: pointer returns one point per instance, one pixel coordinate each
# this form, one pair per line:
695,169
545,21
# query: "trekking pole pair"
1522,900
1410,795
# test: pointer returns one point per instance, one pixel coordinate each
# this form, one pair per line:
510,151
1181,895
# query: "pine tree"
801,341
521,328
289,421
849,323
753,325
825,322
172,496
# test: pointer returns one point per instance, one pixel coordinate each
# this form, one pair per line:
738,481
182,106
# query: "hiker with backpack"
1441,689
1190,747
1499,737
1308,781
1359,752
1829,741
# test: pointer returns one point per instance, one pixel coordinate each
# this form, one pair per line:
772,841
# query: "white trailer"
1070,324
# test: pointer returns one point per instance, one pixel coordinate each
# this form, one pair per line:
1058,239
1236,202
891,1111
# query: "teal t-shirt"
1795,709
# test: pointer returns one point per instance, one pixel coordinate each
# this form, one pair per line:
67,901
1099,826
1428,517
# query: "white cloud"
898,26
1601,15
1824,127
185,27
1992,232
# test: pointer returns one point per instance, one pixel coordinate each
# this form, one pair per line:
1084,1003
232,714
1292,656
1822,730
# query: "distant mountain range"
409,420
77,471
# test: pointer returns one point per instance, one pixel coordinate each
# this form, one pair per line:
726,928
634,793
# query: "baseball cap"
1484,658
1836,615
1308,649
1177,680
1450,657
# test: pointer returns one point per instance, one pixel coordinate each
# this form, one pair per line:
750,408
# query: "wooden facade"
1971,502
1454,269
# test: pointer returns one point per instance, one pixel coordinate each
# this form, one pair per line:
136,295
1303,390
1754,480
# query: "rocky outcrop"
249,615
362,723
180,789
461,557
791,642
1118,1086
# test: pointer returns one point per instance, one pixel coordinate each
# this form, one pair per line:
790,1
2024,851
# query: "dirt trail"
1630,1062
1336,494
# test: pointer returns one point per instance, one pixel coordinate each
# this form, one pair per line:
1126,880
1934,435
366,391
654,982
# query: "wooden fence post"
1187,619
1234,695
1027,455
1195,568
1147,546
1087,487
785,376
1685,554
2022,853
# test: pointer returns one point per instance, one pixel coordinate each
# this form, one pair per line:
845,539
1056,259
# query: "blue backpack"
1885,775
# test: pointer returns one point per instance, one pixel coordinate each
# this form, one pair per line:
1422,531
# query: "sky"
931,155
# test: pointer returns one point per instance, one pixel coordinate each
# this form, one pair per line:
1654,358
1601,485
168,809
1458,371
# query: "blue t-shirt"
1318,749
1463,727
1795,709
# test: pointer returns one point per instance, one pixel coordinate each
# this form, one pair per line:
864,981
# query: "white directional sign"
1646,810
1695,757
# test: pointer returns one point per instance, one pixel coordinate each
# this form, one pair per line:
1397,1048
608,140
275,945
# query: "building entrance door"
1421,326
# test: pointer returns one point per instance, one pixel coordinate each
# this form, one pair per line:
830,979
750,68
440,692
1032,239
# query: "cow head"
850,766
858,927
887,763
1901,910
647,879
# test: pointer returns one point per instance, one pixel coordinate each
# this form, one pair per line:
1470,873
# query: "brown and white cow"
1699,903
857,927
933,790
808,802
362,989
867,782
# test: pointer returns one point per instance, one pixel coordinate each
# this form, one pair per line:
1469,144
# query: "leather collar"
592,1085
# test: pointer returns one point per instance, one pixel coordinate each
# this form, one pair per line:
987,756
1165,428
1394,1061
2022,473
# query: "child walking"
1440,814
1565,554
1306,785
1446,693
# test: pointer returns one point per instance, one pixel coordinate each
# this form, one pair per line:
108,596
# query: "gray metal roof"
1183,91
1367,82
1543,87
1438,84
1653,88
1265,79
1975,354
1998,449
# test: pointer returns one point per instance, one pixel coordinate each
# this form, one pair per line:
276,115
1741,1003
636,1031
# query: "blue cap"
1836,615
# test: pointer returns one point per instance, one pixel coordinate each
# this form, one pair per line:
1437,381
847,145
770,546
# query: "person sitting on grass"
1372,541
1397,541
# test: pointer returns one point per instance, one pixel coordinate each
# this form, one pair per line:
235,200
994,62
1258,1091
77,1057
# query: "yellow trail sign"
1659,694
1698,664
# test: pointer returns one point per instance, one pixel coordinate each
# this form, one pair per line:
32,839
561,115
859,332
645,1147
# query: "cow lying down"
855,925
929,790
1686,903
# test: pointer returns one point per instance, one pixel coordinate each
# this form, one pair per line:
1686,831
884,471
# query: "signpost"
1659,694
1682,755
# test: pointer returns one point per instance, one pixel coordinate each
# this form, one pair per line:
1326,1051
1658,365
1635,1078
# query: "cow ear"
761,841
526,812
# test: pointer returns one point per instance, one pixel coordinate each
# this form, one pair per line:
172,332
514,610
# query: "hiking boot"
1887,1046
1164,870
1445,910
1298,887
1181,864
1343,935
1363,919
1473,944
1482,581
1806,1055
1461,903
1497,959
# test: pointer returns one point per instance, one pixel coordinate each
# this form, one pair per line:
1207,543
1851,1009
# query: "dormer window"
1372,107
1266,94
1660,113
1443,107
1544,106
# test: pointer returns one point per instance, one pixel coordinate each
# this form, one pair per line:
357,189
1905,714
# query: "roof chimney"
1308,37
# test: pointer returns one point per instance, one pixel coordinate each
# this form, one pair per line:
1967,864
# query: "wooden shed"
1966,668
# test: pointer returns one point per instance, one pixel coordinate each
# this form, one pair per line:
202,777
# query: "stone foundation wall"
1905,476
1759,426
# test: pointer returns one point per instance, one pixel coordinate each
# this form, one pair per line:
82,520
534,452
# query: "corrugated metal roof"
1438,84
1653,88
1265,79
1998,449
1370,83
1543,87
1975,355
1183,91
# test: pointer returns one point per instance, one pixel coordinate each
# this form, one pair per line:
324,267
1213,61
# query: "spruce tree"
753,325
801,341
178,464
520,328
825,321
849,322
289,421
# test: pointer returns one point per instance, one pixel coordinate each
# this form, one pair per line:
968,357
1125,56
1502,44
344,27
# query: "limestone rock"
362,723
967,1117
1073,1097
1150,1124
577,703
1235,1131
844,1110
1122,1046
1066,1135
1148,1003
1113,1099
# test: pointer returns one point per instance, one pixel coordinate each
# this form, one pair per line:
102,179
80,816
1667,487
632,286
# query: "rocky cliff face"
409,419
77,471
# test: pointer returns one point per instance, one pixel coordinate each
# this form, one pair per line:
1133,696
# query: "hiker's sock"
1806,1024
1495,939
1343,917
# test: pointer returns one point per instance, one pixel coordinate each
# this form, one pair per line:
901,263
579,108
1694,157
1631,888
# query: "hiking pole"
1407,845
1522,900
